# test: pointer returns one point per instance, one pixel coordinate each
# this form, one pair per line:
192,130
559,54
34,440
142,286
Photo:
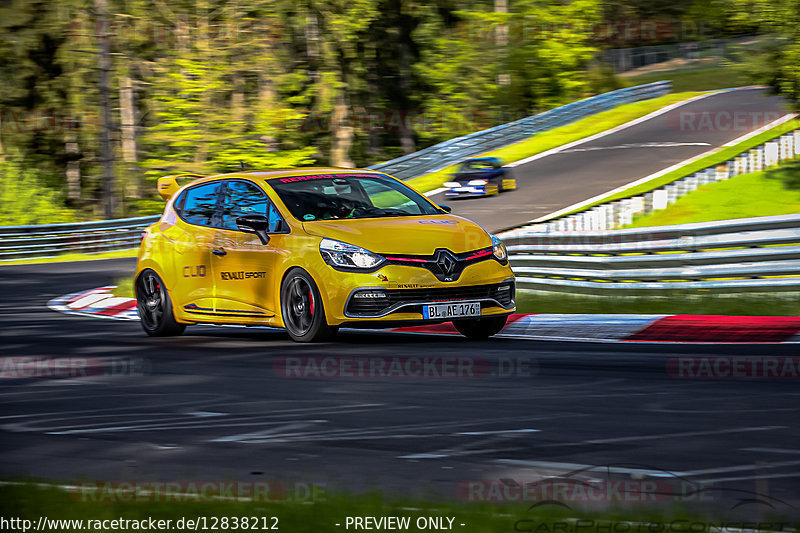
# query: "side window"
276,223
199,204
245,198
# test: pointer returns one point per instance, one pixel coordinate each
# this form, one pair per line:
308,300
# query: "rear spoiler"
168,185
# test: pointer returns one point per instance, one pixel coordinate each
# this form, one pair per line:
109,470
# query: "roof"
300,171
485,158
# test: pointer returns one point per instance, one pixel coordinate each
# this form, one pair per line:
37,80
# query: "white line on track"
671,435
771,450
754,475
590,138
621,127
740,468
660,173
636,145
604,468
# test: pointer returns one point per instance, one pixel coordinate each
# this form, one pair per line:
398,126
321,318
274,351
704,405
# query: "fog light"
370,294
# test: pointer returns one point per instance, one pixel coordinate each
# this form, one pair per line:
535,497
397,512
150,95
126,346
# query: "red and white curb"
98,303
101,303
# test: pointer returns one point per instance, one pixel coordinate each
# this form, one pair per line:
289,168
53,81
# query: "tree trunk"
127,112
342,134
73,169
106,156
237,98
267,99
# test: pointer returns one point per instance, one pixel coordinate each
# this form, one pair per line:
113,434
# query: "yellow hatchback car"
313,249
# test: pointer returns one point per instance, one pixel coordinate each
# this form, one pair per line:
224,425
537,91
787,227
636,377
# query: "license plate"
462,189
453,310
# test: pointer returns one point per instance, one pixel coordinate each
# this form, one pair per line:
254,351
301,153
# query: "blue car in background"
480,176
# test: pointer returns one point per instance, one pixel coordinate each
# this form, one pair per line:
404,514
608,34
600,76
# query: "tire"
302,310
478,329
155,306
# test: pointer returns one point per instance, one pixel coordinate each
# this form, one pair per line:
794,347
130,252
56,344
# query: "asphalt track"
214,405
562,179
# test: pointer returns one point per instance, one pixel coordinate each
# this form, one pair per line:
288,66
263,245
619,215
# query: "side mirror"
446,208
255,224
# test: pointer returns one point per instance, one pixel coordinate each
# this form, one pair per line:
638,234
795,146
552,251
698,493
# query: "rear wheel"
155,307
480,328
301,306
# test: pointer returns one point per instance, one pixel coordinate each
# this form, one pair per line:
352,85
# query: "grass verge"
124,287
772,192
325,512
73,257
560,136
694,79
676,302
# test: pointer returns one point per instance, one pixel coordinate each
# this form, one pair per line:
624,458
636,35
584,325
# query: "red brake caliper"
311,301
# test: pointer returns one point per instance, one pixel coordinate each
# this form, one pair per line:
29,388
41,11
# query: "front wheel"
301,306
155,307
477,329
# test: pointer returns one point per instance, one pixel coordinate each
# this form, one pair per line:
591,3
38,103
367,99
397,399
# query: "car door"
192,237
244,268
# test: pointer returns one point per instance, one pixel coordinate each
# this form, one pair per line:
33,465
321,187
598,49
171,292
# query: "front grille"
402,300
444,264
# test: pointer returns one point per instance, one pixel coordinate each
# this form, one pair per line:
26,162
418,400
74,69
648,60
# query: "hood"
418,235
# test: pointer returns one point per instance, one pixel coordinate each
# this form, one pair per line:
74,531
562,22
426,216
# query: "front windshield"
336,196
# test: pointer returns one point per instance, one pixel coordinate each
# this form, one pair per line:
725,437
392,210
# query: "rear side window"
245,198
199,204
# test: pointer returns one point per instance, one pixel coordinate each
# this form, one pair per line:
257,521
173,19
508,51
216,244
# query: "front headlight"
499,249
340,254
477,183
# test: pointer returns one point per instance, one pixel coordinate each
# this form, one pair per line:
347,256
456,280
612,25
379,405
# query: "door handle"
220,252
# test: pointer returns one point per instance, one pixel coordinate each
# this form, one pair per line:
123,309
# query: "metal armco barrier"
750,254
27,242
455,150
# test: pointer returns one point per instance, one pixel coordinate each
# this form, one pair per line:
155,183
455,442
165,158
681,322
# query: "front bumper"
471,190
494,298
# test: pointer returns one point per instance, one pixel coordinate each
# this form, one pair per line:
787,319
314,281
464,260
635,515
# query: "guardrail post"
770,154
637,205
741,165
797,141
648,202
722,172
660,199
758,158
609,215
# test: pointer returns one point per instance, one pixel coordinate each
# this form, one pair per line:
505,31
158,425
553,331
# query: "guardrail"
27,242
751,254
450,152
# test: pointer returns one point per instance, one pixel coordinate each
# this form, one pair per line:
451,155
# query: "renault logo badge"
446,261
